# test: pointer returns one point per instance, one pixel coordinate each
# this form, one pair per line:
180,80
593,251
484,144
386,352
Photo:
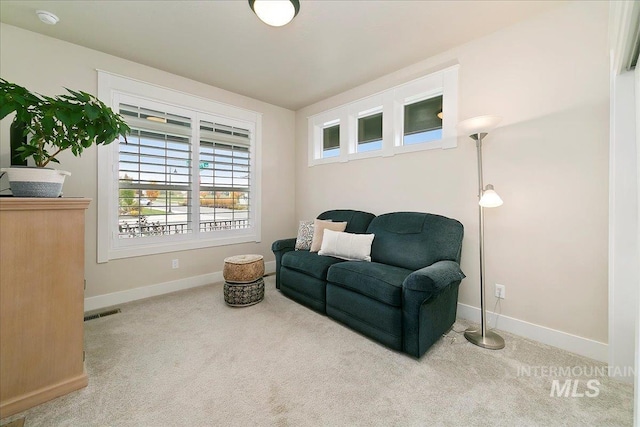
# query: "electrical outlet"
175,263
500,291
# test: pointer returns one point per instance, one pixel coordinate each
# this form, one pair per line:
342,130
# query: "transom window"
418,115
331,140
423,121
370,133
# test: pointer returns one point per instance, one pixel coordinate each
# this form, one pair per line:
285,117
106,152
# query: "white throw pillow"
349,246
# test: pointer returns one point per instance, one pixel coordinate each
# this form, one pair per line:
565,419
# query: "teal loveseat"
405,298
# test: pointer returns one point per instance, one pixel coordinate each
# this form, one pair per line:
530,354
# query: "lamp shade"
480,124
275,12
490,198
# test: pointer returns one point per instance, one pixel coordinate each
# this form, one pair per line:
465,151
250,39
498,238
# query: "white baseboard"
115,298
573,343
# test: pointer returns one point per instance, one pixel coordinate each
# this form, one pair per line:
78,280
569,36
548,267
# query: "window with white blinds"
225,177
185,178
154,174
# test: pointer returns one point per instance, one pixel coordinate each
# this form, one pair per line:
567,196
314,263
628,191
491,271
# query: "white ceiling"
329,47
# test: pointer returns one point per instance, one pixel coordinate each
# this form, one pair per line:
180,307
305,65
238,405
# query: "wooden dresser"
41,300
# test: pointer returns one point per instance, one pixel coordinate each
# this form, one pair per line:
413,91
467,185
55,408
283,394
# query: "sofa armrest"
284,245
435,278
279,248
429,304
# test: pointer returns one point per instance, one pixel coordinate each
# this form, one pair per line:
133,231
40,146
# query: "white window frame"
112,89
321,121
391,103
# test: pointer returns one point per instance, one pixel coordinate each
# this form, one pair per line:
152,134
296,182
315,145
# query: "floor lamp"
477,128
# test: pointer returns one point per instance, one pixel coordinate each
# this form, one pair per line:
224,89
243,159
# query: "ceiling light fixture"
275,12
47,17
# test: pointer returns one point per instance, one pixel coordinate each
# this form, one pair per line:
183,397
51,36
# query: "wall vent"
102,314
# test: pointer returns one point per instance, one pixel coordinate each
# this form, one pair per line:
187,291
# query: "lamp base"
490,340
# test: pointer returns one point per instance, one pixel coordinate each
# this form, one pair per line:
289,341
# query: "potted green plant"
73,121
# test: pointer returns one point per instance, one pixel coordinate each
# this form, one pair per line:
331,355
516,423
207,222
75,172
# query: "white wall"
46,65
548,78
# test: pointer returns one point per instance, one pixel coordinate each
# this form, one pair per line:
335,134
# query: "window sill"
403,149
232,238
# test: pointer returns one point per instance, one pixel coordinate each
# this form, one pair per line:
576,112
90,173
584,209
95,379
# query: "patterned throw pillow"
305,236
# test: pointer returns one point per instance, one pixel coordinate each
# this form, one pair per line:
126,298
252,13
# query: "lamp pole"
483,306
482,337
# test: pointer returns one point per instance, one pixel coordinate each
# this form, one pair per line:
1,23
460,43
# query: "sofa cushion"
378,281
357,221
309,263
380,321
304,289
415,240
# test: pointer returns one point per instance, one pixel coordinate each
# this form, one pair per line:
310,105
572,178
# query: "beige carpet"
186,359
